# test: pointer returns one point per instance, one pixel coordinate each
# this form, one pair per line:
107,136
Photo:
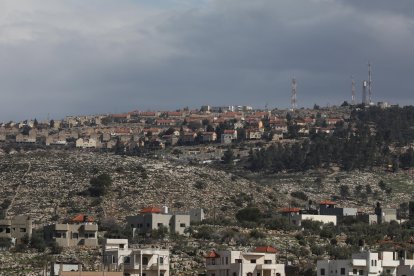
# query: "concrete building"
81,232
152,218
297,219
197,215
381,215
133,261
261,261
328,208
16,228
228,136
363,263
86,143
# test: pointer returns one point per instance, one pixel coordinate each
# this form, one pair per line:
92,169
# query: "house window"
253,261
113,259
121,246
127,259
148,225
322,271
89,235
388,271
75,235
23,230
132,225
277,274
361,272
7,230
159,225
213,261
249,274
375,262
161,260
182,224
342,271
60,235
355,272
267,261
234,274
144,260
258,274
239,261
227,260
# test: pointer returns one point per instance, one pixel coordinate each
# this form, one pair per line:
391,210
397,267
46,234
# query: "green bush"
99,185
250,214
300,195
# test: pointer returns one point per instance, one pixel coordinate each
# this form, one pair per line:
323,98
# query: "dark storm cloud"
83,58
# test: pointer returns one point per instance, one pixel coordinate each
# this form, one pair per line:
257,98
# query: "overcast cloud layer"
100,56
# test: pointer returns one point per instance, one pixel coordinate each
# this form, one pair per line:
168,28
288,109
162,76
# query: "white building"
297,219
153,218
86,143
135,262
262,261
363,263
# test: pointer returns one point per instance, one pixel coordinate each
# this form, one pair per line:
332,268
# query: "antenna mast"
364,92
293,100
353,91
369,83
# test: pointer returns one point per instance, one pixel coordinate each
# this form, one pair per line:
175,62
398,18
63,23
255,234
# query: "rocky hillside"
52,185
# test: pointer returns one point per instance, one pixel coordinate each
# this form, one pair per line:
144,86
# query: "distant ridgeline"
370,137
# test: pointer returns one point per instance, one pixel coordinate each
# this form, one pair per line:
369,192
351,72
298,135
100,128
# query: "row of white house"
155,262
369,263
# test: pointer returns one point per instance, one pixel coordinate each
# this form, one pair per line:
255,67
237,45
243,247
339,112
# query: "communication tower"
369,83
353,91
364,92
293,100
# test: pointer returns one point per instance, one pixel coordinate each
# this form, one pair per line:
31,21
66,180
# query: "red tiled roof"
150,210
290,210
327,202
119,115
148,113
174,113
81,218
266,249
212,254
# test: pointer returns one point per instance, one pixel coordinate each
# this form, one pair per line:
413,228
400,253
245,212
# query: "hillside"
51,185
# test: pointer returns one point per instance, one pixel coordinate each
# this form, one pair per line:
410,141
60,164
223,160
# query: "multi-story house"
254,134
260,262
152,218
135,261
363,263
328,208
228,136
82,231
16,228
86,143
207,137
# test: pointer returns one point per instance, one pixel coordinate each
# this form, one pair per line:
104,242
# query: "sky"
77,57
